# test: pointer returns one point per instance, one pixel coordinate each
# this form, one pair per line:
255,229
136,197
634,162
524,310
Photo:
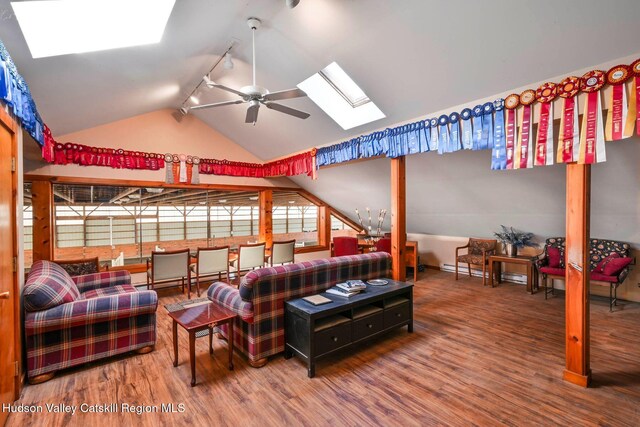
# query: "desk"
532,273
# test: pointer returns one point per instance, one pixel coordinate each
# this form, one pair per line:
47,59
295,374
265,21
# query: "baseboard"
520,279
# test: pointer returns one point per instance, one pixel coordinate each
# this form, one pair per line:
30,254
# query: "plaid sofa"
71,321
259,301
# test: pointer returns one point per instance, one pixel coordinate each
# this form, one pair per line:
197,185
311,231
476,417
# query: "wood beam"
324,225
398,217
43,224
265,201
577,370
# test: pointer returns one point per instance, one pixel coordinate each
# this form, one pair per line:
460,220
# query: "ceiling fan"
254,94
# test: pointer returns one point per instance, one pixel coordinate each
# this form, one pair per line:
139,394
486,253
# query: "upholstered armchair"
478,251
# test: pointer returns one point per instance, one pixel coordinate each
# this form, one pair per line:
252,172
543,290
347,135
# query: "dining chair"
249,257
478,251
282,252
345,246
210,262
167,267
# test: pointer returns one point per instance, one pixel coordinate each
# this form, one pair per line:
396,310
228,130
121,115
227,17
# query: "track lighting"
291,3
228,63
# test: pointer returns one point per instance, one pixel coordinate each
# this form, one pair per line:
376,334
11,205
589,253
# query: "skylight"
340,97
61,27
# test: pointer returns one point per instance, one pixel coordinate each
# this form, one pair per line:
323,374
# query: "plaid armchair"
259,301
71,321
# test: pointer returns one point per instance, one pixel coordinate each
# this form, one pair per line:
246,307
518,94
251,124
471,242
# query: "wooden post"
578,370
266,216
43,222
398,218
324,225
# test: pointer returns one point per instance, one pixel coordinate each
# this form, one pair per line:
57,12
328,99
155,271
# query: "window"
341,228
294,217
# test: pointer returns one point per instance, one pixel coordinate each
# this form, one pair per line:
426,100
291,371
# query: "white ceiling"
411,57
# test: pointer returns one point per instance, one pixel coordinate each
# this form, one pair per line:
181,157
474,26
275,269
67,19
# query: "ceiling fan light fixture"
228,62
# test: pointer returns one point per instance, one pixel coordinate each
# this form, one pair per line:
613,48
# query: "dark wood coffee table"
199,318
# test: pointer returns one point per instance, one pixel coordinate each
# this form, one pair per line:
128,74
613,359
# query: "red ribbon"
592,127
616,111
511,137
636,80
526,136
567,143
543,129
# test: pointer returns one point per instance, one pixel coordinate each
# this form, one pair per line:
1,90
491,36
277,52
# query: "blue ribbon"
499,152
454,136
434,144
443,134
467,132
487,126
477,127
425,136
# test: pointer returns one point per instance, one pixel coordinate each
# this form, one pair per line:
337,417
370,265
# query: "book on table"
352,285
336,290
317,299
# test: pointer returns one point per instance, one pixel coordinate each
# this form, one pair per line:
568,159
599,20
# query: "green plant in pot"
513,239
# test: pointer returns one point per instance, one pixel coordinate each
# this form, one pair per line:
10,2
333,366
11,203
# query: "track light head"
291,3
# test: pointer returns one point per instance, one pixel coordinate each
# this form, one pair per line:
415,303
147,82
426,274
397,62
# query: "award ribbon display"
524,147
454,135
467,129
443,134
511,124
592,147
425,145
487,125
434,145
617,126
635,93
499,152
545,95
568,147
477,127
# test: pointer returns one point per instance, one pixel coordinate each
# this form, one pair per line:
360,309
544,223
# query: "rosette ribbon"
443,134
487,126
434,145
467,129
511,125
524,147
545,95
620,120
592,147
499,152
477,127
635,92
568,147
454,134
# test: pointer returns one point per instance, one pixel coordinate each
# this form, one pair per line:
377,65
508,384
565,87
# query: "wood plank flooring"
478,356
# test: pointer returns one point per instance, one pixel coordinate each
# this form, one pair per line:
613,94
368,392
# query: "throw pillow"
600,267
554,256
48,285
615,266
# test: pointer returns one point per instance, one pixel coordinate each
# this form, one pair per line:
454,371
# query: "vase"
511,250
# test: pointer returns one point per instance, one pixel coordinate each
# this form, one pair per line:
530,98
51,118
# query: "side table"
532,273
199,318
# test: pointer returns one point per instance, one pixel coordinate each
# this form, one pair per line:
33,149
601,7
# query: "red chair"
384,245
345,246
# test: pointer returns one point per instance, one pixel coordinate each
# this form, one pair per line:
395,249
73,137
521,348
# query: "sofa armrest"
90,311
229,297
89,282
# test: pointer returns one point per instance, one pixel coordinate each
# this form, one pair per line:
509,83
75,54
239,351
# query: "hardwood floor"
482,356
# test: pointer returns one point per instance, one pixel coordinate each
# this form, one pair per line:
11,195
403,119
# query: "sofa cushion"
48,285
600,277
554,256
599,268
615,266
112,290
552,271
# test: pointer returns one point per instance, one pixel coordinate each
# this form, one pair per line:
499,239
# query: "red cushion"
603,278
615,266
345,246
554,271
599,268
554,256
384,245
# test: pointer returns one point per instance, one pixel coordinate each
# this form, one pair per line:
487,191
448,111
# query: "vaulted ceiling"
411,57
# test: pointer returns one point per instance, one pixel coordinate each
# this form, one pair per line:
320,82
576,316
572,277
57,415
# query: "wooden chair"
249,257
169,266
478,251
80,267
210,262
345,246
282,252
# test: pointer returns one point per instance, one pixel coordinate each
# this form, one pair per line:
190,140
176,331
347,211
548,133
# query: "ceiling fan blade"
211,83
216,104
252,113
287,110
284,94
